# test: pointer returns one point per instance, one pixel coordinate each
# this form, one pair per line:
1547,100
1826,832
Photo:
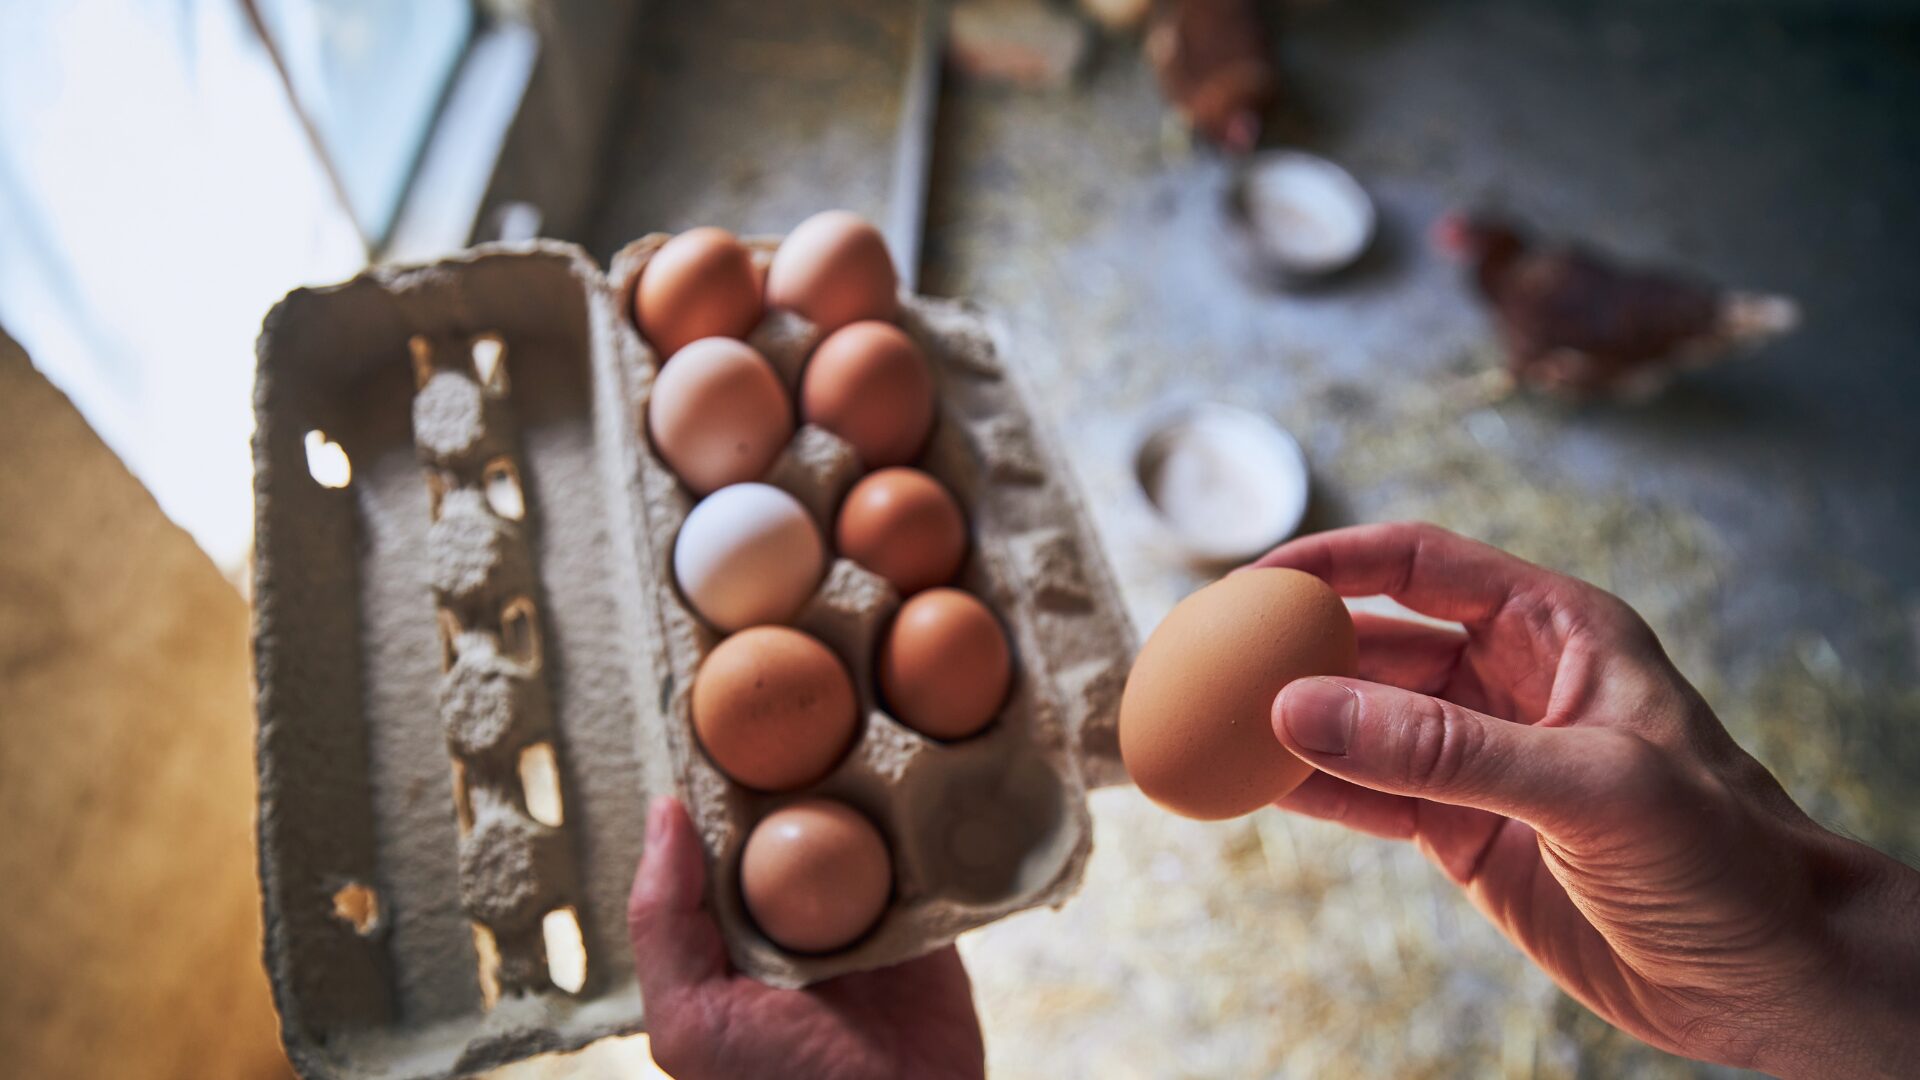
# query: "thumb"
676,945
1405,743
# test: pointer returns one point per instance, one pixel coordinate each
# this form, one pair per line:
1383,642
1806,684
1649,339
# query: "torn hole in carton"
520,632
358,906
501,482
449,639
421,350
490,363
540,784
566,949
327,461
487,950
462,798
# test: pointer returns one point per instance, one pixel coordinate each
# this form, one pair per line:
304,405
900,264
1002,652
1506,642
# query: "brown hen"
1213,63
1580,326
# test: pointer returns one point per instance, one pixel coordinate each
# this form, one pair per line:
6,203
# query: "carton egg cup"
494,587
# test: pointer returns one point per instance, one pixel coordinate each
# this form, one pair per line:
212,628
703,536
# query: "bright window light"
157,196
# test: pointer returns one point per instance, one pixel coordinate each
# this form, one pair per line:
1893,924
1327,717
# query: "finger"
1404,743
676,945
1329,798
1455,838
1407,654
1425,567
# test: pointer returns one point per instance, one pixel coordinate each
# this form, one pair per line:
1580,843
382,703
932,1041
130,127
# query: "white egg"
748,554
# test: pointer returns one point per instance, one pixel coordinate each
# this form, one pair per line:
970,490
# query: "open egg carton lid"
470,685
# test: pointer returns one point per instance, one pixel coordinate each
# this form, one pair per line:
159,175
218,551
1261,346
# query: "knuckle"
1613,620
1427,531
1425,541
1535,608
1412,537
639,912
1441,745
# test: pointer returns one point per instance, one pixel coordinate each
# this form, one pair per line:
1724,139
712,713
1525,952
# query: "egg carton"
474,666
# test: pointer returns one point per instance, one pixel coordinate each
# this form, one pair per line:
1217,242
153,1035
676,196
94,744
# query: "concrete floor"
1761,515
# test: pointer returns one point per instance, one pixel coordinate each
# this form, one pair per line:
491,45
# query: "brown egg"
834,269
901,524
718,414
699,284
774,708
869,384
944,664
1195,719
815,875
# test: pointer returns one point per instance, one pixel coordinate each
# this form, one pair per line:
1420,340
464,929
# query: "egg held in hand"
815,875
1196,730
718,414
774,708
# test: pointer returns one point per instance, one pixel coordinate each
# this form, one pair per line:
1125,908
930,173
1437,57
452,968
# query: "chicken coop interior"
1700,398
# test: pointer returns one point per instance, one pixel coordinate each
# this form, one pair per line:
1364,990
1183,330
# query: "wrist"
1863,1017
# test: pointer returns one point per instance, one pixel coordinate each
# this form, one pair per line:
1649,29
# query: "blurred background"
169,169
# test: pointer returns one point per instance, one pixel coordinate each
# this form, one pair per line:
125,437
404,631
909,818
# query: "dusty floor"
1761,516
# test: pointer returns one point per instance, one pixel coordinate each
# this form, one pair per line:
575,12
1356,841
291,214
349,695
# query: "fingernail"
1319,714
657,816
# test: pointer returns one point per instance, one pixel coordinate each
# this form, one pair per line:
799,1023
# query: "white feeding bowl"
1225,483
1302,215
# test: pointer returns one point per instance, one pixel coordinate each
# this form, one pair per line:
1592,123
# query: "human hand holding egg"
1553,763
